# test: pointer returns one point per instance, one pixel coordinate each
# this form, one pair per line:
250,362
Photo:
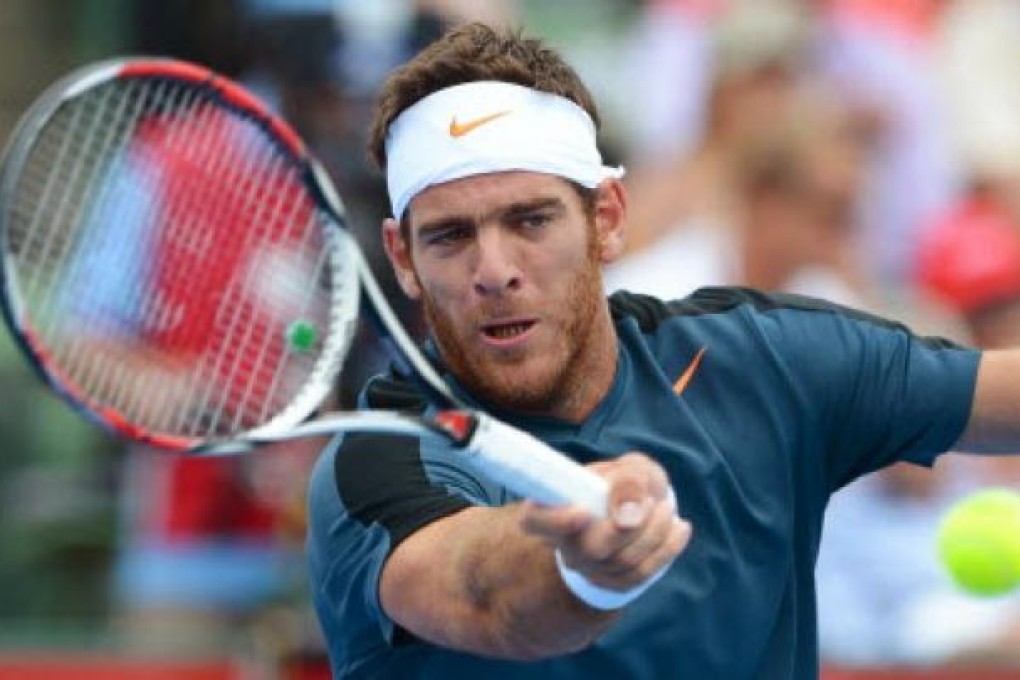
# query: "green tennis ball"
979,542
301,336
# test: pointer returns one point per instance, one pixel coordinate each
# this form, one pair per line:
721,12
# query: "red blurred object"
913,20
950,673
28,665
970,260
54,665
310,667
207,247
51,666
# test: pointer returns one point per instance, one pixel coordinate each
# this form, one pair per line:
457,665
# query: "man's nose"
497,271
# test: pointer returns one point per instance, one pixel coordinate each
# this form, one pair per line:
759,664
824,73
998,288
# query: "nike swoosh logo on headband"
461,129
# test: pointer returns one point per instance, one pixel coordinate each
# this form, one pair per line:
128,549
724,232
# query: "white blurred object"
688,257
669,71
944,624
373,39
980,61
699,254
756,34
679,51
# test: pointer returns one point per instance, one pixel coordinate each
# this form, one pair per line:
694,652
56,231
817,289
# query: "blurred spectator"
207,544
212,547
878,60
57,487
979,63
315,63
209,547
673,41
884,598
790,222
906,610
752,75
970,262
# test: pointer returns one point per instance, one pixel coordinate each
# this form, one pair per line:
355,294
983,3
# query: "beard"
510,383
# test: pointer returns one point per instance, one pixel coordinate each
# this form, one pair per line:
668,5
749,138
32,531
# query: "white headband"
489,126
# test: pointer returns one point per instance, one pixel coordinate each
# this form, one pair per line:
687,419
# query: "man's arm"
994,424
484,580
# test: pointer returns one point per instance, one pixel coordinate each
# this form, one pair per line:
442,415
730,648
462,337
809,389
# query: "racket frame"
514,457
345,295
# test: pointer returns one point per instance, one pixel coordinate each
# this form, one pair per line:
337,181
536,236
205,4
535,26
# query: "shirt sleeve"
873,392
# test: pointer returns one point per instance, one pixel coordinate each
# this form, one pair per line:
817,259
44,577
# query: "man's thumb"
629,503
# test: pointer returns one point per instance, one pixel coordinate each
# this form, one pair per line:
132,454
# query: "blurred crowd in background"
863,151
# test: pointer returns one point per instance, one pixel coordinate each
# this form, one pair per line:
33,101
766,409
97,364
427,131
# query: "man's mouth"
507,331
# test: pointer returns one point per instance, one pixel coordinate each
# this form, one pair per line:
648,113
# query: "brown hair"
469,53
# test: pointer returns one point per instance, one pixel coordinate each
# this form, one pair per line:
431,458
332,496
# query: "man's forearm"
513,579
482,585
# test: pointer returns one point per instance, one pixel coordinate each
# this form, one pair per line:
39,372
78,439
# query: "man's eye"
534,221
448,236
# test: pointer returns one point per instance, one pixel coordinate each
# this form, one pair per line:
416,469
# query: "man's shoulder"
650,312
392,391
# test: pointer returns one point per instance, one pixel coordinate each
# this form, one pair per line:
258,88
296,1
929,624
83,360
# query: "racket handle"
529,467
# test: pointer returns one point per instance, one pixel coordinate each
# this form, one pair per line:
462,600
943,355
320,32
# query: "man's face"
507,266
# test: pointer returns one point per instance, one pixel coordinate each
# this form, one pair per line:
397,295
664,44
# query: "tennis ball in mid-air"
979,542
301,336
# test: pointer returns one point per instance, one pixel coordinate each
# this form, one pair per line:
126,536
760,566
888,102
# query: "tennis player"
733,412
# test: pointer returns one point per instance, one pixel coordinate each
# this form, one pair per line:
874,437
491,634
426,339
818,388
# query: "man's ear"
610,219
398,250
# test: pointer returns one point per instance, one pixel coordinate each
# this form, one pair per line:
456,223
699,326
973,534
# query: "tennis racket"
178,268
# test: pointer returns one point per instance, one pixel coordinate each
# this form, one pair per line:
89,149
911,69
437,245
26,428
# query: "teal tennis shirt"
758,406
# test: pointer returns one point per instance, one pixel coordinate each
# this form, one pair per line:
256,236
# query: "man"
754,408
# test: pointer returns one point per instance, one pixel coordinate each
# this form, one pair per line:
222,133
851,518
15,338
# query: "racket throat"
459,425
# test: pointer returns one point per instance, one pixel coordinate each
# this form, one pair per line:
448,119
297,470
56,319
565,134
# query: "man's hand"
459,581
641,535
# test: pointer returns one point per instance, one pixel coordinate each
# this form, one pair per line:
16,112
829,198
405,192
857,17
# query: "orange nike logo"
461,129
681,383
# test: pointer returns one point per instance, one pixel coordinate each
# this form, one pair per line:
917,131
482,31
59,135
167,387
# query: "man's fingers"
622,573
644,544
596,544
666,538
640,536
635,484
630,513
604,547
554,523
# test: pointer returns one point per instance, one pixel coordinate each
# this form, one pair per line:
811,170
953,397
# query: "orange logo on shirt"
681,383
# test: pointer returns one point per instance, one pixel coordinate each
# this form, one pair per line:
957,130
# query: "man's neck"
592,376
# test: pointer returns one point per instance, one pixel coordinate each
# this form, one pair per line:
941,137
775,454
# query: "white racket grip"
531,468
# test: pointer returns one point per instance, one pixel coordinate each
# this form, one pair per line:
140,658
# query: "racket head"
169,265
